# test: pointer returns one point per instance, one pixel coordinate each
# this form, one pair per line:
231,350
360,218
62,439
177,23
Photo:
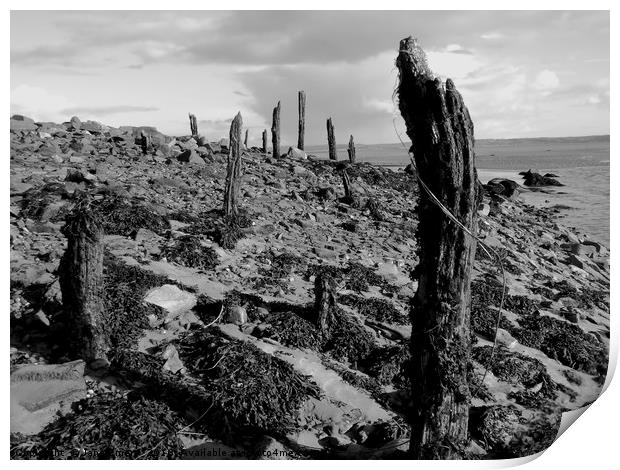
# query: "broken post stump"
301,127
144,142
233,170
275,131
81,285
331,140
193,124
346,182
351,150
264,140
442,134
245,140
324,301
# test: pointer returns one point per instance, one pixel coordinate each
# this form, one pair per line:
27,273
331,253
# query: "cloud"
492,35
546,81
107,110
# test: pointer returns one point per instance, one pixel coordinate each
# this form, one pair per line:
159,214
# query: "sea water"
581,163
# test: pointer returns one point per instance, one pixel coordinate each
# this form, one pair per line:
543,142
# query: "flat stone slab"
171,298
38,392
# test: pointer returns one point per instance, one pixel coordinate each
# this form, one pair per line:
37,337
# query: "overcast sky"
522,74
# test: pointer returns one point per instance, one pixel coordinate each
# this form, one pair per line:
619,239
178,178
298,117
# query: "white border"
591,443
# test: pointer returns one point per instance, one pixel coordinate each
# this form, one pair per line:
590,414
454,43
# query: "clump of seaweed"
389,365
122,216
252,388
374,208
348,340
374,308
357,379
188,251
35,201
106,428
280,269
562,341
359,277
126,313
226,231
292,330
511,367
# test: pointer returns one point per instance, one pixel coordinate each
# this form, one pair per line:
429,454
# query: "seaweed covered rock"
106,428
122,216
188,251
389,365
375,309
251,388
126,313
564,342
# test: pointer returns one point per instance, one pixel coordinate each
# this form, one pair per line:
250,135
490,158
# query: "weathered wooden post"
193,124
233,170
245,140
351,150
144,142
331,140
81,285
264,140
442,133
275,131
324,301
301,104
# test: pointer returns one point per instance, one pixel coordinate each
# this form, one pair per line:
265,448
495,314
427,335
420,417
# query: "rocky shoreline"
213,337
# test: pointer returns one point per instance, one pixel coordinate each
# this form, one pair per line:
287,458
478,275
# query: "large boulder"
94,127
531,178
75,123
22,123
503,187
296,153
190,156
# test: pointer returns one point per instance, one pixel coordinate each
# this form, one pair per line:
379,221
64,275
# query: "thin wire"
488,250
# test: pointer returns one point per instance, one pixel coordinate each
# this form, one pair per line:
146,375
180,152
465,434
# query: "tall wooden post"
351,150
233,170
442,133
245,140
275,131
265,140
81,285
301,104
331,140
193,124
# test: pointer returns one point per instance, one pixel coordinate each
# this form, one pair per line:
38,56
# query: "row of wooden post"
301,130
440,310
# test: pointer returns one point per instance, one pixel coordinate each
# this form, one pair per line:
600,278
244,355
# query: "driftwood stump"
275,131
324,301
233,170
331,140
351,150
245,139
442,133
193,124
301,127
264,140
81,285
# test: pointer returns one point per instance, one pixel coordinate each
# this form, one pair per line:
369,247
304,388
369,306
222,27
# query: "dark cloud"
107,110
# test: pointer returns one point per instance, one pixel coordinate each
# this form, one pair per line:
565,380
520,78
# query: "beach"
196,317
